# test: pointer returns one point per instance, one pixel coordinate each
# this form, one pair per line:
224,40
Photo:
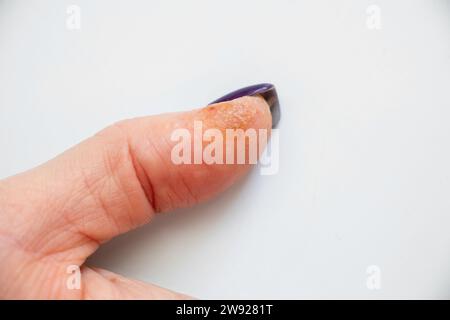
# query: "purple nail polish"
266,90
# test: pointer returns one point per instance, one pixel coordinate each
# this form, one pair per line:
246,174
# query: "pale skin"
59,213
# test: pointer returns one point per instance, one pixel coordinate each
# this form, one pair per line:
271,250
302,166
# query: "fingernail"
265,90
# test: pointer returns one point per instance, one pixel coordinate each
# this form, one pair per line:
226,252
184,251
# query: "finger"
118,179
102,284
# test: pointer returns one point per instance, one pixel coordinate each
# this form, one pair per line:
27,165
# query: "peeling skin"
241,113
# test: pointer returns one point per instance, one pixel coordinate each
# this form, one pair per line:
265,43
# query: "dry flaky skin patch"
242,113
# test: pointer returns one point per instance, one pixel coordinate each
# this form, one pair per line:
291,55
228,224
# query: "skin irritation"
236,114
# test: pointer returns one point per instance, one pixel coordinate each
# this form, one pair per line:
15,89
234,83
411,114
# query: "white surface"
364,173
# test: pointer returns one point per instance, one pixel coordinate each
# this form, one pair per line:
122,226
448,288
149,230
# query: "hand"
58,214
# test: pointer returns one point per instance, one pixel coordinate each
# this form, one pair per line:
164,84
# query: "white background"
364,173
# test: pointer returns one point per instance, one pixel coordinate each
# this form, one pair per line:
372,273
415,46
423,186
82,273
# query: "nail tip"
266,90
